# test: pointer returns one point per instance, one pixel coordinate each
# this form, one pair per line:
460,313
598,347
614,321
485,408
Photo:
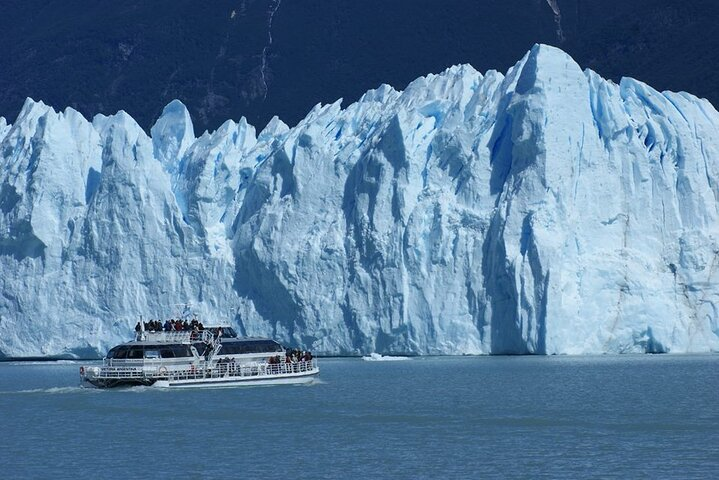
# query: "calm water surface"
474,417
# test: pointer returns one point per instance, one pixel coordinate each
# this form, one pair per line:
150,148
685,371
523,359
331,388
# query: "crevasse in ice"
542,211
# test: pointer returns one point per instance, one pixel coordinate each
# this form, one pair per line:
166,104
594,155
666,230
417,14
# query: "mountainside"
260,58
542,211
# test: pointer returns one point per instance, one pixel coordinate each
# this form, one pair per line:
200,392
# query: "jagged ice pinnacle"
543,211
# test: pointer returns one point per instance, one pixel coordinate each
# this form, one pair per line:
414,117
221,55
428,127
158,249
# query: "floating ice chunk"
376,357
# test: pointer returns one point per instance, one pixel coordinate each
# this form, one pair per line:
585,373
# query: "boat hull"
222,382
199,380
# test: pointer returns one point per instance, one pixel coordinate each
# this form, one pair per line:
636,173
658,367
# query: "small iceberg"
376,357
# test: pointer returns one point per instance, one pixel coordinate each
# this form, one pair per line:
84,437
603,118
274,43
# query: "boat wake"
77,389
24,363
50,391
315,381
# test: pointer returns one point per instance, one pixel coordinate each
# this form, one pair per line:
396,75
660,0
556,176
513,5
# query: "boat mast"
142,329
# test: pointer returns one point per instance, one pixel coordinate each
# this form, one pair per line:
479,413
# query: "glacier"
542,211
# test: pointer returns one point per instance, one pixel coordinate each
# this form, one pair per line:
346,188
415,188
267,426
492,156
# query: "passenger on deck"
168,326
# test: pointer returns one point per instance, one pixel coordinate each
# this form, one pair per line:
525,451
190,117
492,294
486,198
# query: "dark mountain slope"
259,58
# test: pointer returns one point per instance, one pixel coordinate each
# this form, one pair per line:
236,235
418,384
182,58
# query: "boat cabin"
193,344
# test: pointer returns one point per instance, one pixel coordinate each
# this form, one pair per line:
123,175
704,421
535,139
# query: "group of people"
229,365
171,325
292,356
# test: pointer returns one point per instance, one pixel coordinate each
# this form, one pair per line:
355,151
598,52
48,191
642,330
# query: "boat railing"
179,336
140,362
204,369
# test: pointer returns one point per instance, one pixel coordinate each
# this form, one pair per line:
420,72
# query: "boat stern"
89,376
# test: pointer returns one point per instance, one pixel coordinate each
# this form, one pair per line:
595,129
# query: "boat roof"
186,339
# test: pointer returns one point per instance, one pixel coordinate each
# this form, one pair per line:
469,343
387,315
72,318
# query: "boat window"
181,350
152,354
228,349
268,346
135,352
235,348
251,346
167,353
201,348
117,352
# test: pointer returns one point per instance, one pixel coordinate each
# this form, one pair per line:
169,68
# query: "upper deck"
185,336
183,344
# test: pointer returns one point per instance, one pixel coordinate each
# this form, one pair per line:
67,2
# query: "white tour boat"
212,357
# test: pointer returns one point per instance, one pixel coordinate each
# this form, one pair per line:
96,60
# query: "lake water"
457,417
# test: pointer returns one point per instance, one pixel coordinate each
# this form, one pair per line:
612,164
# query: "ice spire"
172,134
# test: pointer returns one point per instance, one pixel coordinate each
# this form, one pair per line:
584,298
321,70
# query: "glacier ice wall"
542,211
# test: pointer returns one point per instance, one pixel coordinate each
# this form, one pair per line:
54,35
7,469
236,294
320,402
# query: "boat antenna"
142,329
